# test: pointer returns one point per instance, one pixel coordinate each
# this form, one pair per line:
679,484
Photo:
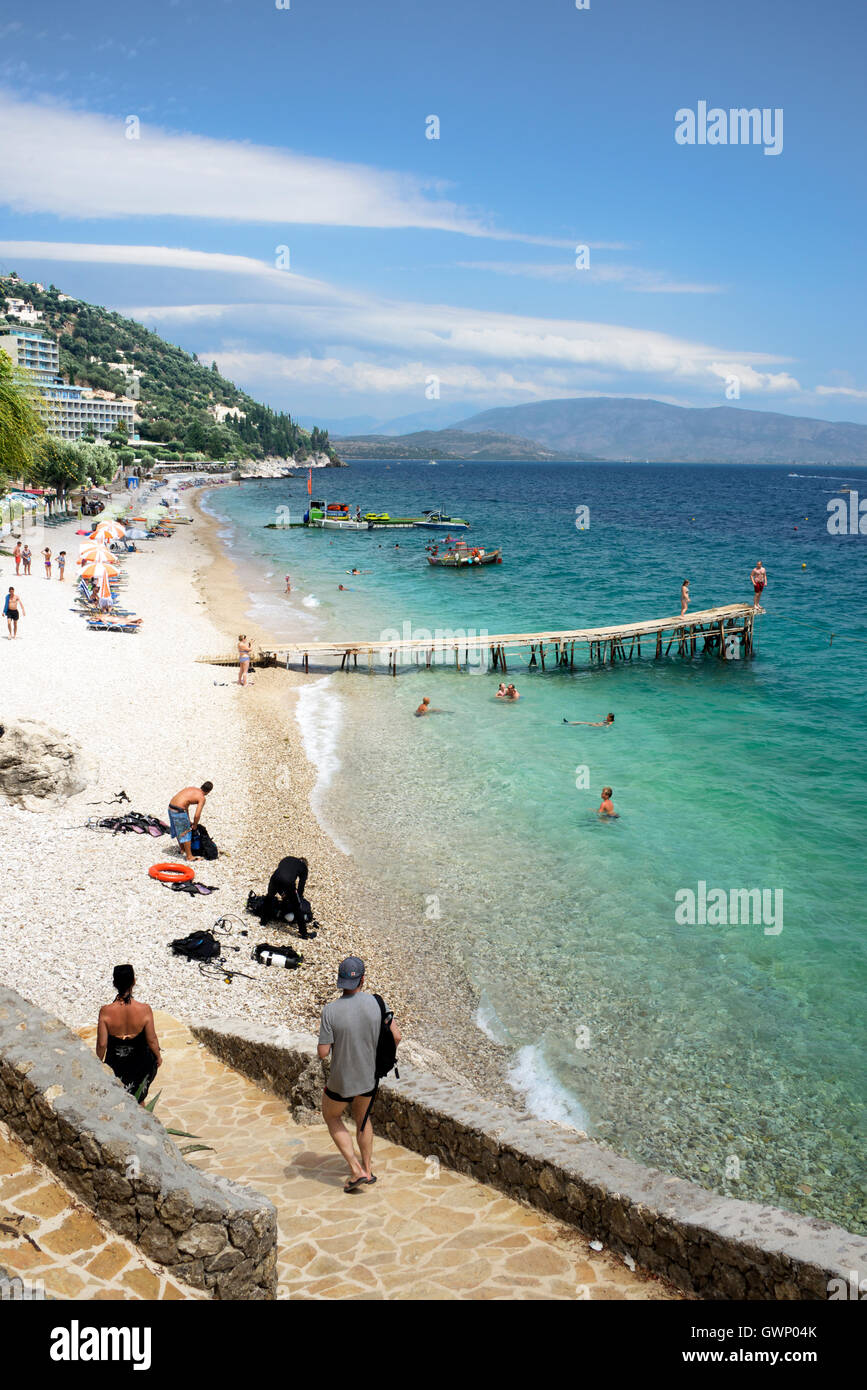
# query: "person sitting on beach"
16,556
593,723
26,557
607,807
684,597
126,1038
349,1033
46,555
179,815
244,653
61,565
13,608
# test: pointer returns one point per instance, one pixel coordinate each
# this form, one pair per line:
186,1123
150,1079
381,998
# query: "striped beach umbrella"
109,531
99,569
92,550
105,594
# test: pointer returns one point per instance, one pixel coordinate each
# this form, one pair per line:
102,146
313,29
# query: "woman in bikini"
244,653
61,565
126,1038
26,557
46,555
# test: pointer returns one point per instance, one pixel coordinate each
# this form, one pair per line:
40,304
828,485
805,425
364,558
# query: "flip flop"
354,1184
370,1181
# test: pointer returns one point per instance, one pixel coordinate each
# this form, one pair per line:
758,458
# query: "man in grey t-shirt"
349,1031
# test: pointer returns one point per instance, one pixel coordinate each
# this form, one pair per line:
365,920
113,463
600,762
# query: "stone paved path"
418,1234
47,1238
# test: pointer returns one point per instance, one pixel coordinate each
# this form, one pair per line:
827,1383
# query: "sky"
258,185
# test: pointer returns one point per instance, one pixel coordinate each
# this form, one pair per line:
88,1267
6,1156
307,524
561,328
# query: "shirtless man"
684,597
607,807
179,814
511,693
593,723
424,707
759,576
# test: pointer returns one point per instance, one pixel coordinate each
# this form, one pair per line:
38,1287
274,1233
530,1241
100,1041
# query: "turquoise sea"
730,1054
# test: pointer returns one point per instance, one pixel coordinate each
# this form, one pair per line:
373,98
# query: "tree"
22,430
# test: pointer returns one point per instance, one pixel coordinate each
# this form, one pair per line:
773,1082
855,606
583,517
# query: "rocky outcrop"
74,1117
39,767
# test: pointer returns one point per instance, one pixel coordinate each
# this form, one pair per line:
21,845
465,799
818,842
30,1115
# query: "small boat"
462,555
437,520
335,516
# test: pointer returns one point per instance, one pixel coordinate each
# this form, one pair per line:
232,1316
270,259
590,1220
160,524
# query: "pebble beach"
152,718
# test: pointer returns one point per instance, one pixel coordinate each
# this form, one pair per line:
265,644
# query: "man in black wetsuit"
285,891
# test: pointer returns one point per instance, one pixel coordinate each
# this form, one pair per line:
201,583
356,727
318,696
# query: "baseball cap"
349,972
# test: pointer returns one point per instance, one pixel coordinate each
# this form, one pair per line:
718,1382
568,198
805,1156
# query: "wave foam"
319,714
310,601
542,1093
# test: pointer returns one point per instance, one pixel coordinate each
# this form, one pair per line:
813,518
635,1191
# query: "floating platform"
725,632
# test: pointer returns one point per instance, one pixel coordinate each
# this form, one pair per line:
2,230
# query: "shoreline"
438,1016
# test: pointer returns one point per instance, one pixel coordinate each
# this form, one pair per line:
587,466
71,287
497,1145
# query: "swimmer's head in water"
426,700
607,792
609,719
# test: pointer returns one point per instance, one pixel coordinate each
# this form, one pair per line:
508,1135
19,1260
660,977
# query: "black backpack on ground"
386,1052
202,844
199,945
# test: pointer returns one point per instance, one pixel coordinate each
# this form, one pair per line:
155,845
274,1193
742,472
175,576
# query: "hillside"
447,444
613,430
178,393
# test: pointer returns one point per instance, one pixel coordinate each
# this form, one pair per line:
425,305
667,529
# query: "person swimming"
592,723
607,806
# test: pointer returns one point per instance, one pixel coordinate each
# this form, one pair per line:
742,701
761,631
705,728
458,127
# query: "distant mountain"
446,444
434,417
624,430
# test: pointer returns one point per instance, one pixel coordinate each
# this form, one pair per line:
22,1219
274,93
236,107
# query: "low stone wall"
116,1157
714,1246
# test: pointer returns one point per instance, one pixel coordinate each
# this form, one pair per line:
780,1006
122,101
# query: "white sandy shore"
74,902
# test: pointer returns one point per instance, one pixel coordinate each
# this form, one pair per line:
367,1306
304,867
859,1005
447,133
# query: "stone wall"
714,1246
78,1120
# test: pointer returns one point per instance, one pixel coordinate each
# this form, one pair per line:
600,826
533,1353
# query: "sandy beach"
75,901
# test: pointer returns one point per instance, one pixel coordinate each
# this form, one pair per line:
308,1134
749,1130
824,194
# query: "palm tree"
22,430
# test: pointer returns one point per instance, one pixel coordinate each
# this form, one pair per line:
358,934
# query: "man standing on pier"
759,576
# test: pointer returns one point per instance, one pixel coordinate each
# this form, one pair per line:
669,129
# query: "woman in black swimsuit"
126,1038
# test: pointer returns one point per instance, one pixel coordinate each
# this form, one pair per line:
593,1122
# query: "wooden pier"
725,632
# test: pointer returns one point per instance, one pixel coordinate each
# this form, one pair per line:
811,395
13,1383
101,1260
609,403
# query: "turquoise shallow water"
722,1052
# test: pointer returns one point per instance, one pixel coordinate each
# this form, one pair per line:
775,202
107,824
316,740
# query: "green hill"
447,444
177,391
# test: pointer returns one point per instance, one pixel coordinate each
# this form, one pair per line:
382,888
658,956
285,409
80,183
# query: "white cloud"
849,391
318,313
368,377
79,164
631,277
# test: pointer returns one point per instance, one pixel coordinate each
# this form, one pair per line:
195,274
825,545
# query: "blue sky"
412,259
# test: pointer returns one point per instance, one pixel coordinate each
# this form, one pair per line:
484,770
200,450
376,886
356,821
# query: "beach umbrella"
135,533
109,530
105,594
96,569
92,550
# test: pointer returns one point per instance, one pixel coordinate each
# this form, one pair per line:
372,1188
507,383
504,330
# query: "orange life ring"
172,873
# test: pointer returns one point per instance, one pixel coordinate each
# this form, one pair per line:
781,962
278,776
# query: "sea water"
732,1054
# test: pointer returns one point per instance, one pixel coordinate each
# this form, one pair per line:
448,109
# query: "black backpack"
199,945
386,1052
202,844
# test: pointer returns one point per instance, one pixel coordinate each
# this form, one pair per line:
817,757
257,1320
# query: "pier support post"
533,654
306,665
658,645
503,658
722,641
